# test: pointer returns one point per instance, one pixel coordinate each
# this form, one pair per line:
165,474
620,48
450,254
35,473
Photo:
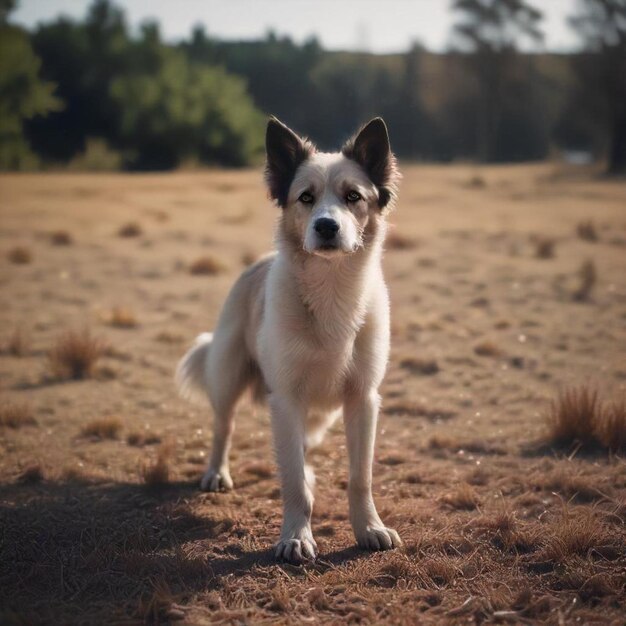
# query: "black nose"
326,228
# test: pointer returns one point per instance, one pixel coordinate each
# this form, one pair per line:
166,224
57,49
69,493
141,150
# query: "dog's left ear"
370,148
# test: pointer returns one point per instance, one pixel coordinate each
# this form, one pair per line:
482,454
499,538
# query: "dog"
307,327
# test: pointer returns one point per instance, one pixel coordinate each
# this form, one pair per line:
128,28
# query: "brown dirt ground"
497,527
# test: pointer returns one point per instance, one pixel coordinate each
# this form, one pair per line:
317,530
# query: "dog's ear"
371,150
285,152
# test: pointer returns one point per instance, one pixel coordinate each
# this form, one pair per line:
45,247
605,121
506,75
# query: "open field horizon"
493,312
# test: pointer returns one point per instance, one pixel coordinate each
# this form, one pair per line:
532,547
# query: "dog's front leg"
288,424
360,416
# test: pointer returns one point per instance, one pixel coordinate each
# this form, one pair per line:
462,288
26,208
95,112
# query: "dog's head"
332,202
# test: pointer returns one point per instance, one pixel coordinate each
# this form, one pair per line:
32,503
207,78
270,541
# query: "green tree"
488,31
602,71
181,110
24,96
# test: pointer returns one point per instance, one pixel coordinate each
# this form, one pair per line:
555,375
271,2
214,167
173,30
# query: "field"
508,285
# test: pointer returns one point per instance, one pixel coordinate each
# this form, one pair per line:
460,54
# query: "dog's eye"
306,198
353,196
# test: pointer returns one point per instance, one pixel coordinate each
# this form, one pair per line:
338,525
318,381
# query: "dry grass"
422,367
18,343
396,241
488,348
157,473
464,497
85,540
103,428
61,238
573,416
588,276
121,317
141,438
578,417
75,355
544,247
20,255
206,266
16,414
611,428
131,229
586,230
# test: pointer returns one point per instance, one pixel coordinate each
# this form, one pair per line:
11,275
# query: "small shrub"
588,277
61,238
16,414
206,266
103,428
20,255
586,230
132,229
75,354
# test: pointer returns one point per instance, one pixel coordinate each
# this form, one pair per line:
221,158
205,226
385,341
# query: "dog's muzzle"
326,229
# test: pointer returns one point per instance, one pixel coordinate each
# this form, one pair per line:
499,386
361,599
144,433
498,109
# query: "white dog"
308,327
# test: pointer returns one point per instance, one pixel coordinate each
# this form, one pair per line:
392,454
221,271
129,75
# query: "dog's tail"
191,373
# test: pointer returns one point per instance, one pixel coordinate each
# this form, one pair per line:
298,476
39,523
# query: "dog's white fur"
309,327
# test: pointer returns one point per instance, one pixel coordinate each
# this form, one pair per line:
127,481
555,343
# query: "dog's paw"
296,551
378,538
216,480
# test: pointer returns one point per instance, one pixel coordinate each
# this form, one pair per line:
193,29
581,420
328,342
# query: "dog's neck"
335,291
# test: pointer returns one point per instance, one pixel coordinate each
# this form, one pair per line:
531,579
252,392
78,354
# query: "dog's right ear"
285,152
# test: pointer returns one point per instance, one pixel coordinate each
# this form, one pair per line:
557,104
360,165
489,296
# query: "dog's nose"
326,228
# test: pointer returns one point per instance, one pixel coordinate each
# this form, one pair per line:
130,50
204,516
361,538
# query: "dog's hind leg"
219,366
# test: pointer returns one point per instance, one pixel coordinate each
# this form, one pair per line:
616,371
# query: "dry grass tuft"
16,414
464,498
573,416
423,367
396,241
132,229
157,474
120,317
18,343
206,266
586,230
103,428
20,255
576,536
75,354
32,474
588,277
544,247
611,429
61,238
487,348
139,438
579,417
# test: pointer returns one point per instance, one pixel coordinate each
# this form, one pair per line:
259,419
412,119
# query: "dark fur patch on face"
285,152
371,150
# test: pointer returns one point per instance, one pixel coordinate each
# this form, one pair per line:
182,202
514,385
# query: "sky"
379,26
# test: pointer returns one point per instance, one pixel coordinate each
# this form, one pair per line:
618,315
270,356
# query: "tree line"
92,94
